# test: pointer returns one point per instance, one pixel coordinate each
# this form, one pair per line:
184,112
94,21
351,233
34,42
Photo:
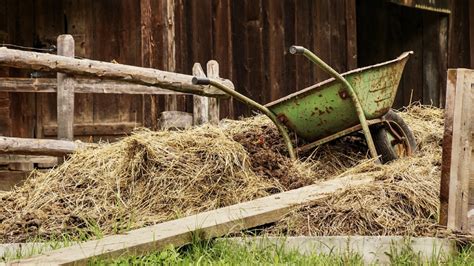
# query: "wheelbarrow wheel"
393,140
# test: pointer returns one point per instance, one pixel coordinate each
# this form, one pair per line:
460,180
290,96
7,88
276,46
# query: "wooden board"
81,85
8,158
207,224
458,211
94,129
65,92
27,146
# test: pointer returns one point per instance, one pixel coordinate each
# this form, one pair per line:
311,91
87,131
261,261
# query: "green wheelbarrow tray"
324,111
335,107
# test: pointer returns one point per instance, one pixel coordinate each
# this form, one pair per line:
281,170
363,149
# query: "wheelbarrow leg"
254,104
355,100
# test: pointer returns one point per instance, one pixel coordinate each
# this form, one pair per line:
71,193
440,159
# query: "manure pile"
150,177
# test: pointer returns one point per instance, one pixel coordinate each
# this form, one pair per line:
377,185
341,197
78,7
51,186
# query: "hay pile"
403,201
150,177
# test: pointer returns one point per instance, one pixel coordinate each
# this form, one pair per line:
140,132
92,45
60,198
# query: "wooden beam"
65,93
138,75
95,129
8,158
81,85
208,224
200,104
457,152
28,146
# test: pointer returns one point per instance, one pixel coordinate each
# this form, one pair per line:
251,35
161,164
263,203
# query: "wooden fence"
205,109
457,177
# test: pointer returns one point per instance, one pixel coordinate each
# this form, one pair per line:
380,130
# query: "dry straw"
150,177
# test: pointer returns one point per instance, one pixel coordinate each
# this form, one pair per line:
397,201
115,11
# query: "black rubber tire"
382,143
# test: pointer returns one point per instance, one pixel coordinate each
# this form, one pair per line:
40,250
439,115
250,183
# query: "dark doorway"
385,30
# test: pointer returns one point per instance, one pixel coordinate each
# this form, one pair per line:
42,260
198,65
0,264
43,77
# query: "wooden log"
28,146
208,224
81,85
139,75
200,103
65,94
213,72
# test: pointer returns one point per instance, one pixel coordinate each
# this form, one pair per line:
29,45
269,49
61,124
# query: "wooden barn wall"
249,39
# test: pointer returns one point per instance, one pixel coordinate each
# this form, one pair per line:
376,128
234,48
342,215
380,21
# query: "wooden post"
213,72
457,177
200,104
65,91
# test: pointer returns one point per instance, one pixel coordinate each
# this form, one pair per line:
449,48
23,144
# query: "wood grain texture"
95,129
27,146
200,103
65,92
139,75
208,224
214,108
457,149
81,85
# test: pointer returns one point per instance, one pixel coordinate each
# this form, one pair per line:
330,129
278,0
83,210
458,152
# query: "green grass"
203,252
226,253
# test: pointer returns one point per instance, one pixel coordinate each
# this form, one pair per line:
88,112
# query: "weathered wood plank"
175,120
138,75
200,103
274,36
8,158
95,129
171,101
351,34
81,85
209,224
65,92
457,128
222,48
27,146
213,110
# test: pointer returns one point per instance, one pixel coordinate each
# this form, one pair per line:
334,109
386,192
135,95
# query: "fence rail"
103,78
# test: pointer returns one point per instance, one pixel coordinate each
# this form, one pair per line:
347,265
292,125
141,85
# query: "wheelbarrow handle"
253,104
295,49
201,81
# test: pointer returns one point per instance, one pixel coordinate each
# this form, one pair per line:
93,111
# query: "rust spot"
343,94
283,119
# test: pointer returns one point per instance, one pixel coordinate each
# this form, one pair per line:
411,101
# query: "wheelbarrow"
360,99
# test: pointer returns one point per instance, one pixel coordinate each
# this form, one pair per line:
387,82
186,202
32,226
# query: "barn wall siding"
249,38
